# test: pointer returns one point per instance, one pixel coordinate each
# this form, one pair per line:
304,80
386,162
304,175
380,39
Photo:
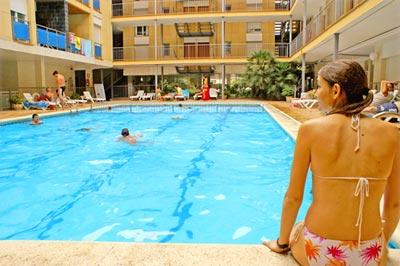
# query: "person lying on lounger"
126,137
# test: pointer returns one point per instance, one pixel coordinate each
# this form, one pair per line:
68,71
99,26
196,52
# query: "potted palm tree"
16,102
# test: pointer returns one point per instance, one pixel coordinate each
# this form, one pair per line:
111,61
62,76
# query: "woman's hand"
273,245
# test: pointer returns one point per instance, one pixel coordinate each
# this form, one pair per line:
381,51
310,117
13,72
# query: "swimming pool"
216,176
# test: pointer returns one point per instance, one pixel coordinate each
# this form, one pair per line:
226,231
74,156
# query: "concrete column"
155,7
336,47
303,73
304,21
223,82
290,34
223,5
31,4
155,41
156,79
223,38
130,85
162,77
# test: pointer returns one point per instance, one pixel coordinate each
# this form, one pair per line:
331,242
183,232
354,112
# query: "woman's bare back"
333,141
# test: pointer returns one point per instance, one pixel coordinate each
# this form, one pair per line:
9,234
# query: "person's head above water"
124,132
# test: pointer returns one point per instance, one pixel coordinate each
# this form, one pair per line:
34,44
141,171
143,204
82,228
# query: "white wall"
392,65
19,6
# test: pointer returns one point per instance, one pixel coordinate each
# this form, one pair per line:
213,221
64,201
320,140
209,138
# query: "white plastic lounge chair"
75,100
138,95
388,116
100,93
213,93
148,96
88,96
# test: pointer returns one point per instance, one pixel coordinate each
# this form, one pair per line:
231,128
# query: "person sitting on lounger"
36,120
126,137
386,107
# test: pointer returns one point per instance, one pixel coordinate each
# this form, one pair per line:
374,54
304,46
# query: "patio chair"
100,93
87,96
392,117
213,93
148,96
184,96
68,99
169,97
31,103
138,96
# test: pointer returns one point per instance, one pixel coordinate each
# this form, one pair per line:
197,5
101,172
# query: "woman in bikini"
355,160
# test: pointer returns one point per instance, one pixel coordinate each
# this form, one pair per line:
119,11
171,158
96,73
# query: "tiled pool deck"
111,253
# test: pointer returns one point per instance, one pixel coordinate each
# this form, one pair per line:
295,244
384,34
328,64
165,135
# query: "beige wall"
106,29
5,21
8,74
392,68
80,25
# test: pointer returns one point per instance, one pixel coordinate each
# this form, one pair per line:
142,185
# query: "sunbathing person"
126,137
386,107
36,120
351,173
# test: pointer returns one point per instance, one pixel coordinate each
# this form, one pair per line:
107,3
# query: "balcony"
197,51
96,4
97,50
328,16
167,7
20,30
78,45
51,38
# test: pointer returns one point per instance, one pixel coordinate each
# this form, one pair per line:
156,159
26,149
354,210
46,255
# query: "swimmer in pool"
126,137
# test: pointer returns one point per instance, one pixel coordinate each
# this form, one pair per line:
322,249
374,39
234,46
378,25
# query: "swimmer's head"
125,132
35,118
109,108
180,105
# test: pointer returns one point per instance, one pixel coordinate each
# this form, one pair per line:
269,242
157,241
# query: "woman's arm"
294,194
391,209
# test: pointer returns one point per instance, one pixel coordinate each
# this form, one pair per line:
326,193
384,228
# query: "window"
166,49
254,27
18,16
228,48
142,31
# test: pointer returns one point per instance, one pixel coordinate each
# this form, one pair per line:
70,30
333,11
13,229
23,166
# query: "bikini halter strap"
355,125
362,191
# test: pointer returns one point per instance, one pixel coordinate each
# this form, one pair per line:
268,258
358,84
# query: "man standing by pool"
60,80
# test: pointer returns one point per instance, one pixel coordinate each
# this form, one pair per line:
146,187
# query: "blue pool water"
217,176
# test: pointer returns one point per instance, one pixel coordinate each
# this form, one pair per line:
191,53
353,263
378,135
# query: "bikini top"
362,187
362,191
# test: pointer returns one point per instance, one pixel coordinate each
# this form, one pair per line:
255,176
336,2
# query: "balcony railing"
51,38
20,29
96,4
197,51
97,50
328,16
147,7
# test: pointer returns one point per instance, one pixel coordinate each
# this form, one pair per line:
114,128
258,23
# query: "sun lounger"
392,117
31,103
88,96
148,96
138,95
213,93
184,96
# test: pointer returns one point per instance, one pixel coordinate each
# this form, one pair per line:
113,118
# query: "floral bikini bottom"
322,251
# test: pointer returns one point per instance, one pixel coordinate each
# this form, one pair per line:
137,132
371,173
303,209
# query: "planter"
16,106
289,99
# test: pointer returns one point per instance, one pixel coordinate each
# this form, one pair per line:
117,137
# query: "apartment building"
119,42
40,36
